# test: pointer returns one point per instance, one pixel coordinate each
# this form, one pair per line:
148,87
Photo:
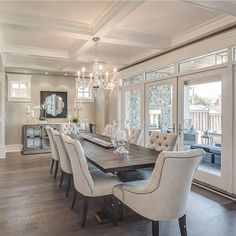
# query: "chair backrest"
170,183
162,141
82,178
108,131
135,135
68,128
63,154
54,151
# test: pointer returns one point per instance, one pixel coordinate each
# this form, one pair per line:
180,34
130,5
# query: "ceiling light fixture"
97,78
46,73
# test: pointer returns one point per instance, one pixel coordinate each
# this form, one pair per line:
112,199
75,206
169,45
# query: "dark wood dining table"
107,160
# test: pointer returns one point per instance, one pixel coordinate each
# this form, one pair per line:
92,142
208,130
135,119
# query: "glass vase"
121,138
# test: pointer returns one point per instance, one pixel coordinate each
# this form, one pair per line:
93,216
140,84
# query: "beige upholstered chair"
55,155
160,142
108,131
68,128
89,184
164,196
64,160
135,135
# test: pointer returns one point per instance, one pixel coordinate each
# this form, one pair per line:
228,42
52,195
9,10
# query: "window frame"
82,99
19,79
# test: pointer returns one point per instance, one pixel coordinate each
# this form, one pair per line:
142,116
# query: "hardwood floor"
31,203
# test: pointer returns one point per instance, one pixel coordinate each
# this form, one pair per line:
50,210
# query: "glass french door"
205,121
133,106
161,104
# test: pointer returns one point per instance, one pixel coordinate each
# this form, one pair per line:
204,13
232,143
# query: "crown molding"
205,28
36,52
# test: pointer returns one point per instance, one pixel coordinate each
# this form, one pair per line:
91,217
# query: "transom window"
19,88
211,59
160,73
133,80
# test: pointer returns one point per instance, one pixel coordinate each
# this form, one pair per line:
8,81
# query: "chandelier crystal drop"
98,79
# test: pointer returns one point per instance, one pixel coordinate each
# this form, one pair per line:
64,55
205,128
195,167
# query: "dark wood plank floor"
32,204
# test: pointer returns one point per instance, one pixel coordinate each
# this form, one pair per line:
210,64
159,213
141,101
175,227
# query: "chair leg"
57,164
155,228
68,184
62,177
115,210
84,211
182,225
74,200
52,166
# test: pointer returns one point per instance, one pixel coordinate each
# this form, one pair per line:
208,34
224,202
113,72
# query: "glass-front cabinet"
35,139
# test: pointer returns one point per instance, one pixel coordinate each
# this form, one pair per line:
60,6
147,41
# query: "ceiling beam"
106,22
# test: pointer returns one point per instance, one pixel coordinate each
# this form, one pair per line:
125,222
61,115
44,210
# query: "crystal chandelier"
97,78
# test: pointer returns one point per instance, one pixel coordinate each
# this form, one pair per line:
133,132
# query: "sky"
208,90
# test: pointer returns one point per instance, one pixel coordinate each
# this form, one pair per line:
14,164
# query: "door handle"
180,130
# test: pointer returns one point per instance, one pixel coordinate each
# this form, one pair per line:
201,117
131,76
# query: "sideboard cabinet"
35,138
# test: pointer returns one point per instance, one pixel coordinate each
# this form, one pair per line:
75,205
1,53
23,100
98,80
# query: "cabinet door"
32,136
45,139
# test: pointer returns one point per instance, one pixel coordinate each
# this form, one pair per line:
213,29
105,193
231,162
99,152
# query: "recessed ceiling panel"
76,11
107,49
166,18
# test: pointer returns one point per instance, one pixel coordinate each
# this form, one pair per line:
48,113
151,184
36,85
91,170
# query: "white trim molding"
13,148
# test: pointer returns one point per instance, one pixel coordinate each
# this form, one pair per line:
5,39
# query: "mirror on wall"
54,103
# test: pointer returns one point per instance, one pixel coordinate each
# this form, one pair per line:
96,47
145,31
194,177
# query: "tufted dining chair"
88,184
64,160
55,154
135,135
164,196
68,128
108,131
160,142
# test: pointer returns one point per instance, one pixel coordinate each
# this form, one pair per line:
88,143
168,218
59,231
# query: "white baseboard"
2,152
14,148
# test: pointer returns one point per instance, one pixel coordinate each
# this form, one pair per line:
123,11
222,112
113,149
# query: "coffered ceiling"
56,36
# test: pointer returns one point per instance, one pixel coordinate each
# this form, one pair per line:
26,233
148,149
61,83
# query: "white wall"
2,111
15,111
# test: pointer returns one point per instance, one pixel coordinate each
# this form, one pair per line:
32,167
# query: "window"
234,53
133,80
84,92
19,87
212,59
160,73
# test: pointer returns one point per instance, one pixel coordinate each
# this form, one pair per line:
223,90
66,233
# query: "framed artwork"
54,104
